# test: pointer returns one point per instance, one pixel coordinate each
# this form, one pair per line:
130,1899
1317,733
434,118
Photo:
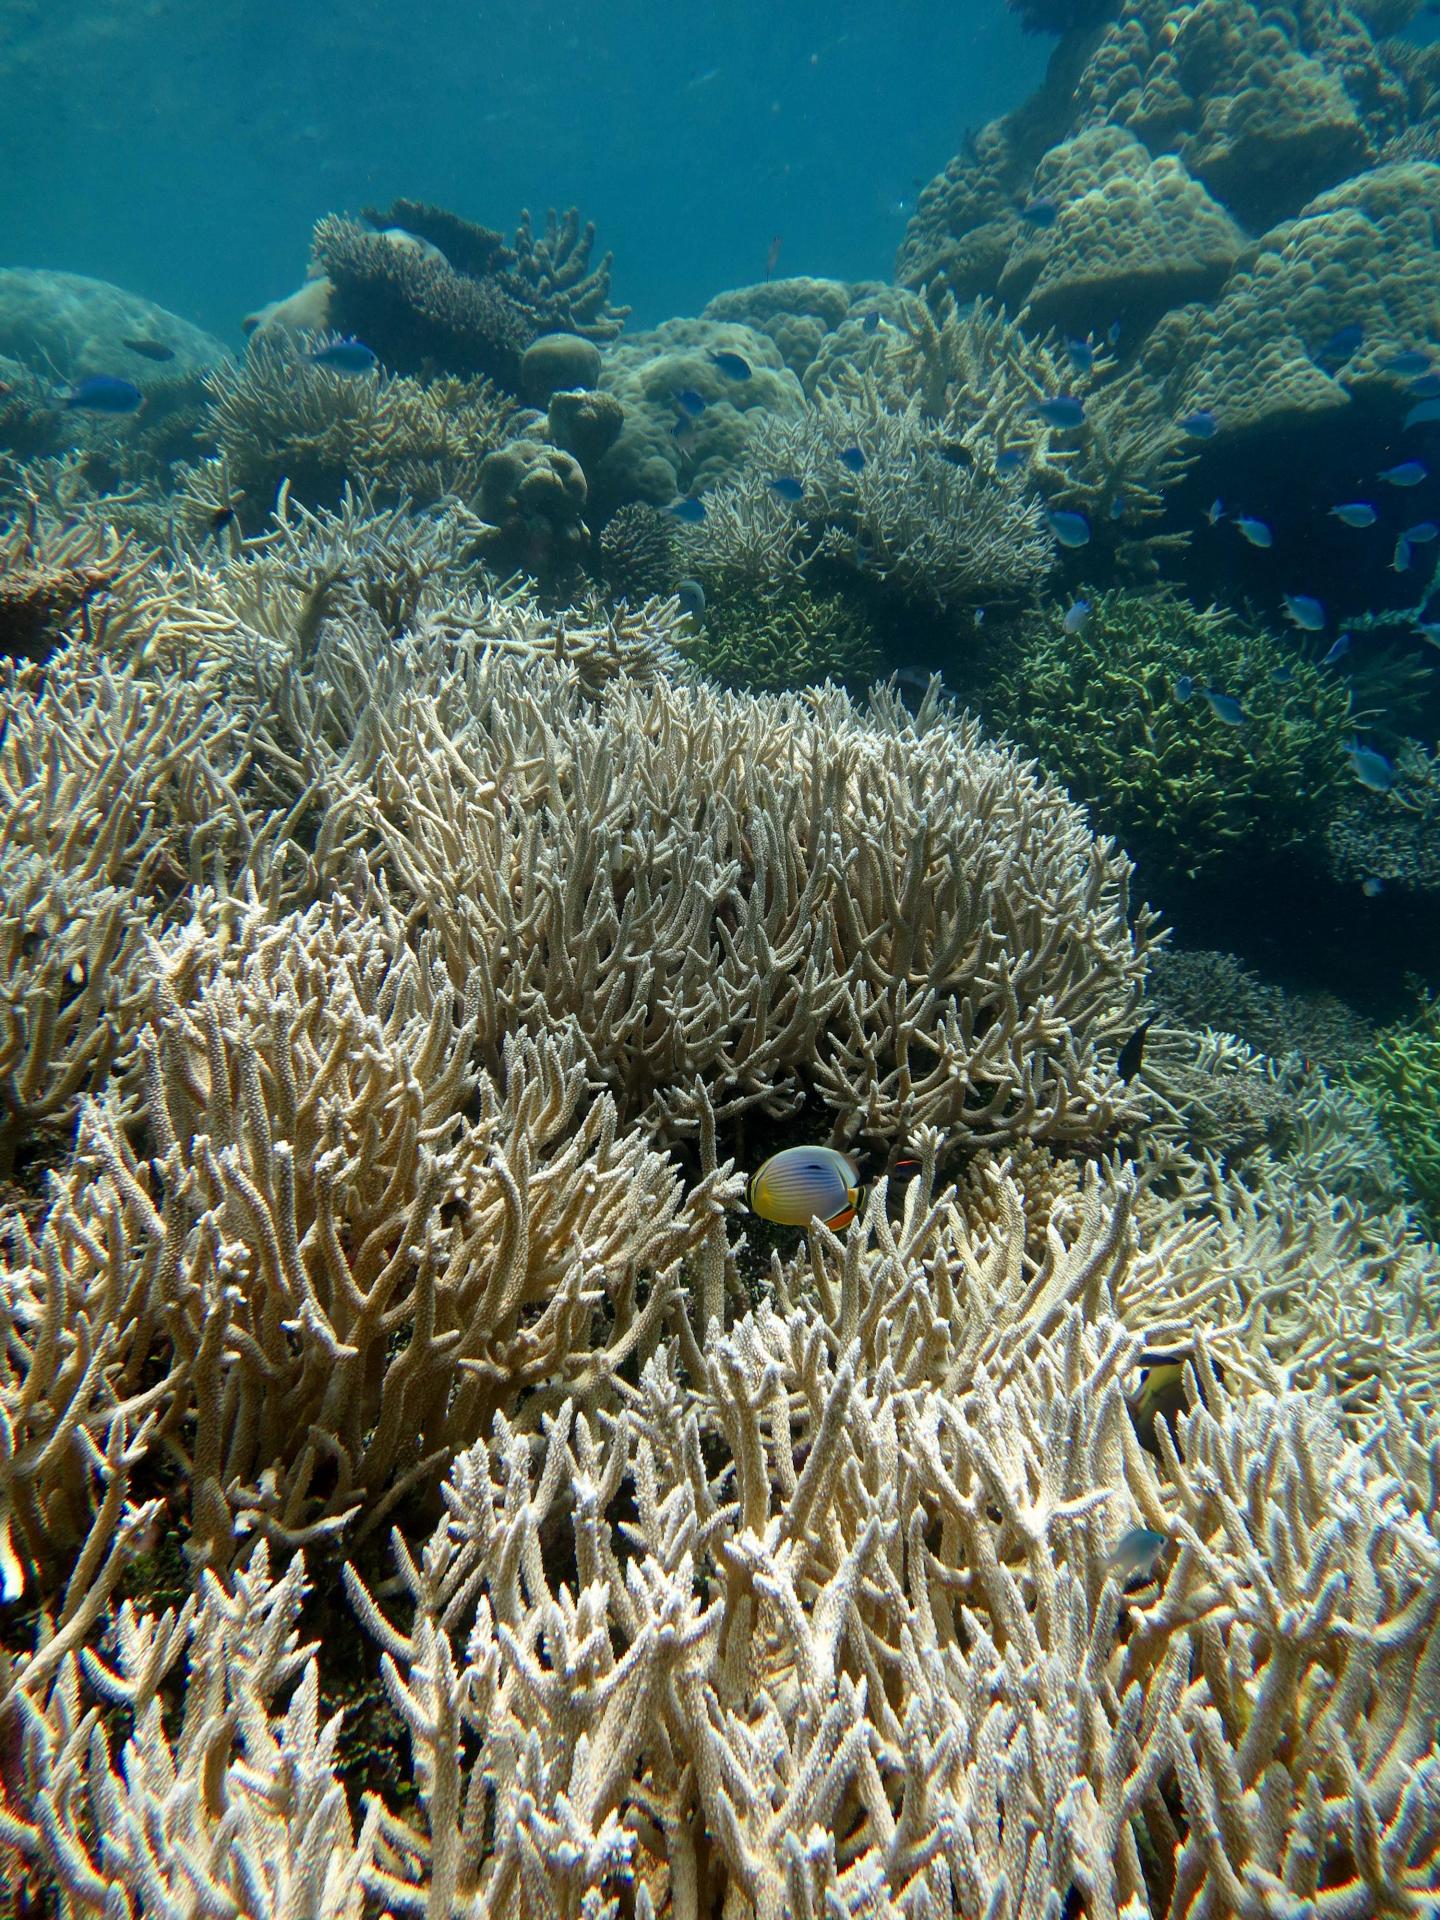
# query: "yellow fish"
804,1184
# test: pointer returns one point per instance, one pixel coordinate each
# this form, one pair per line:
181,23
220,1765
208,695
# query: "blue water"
186,151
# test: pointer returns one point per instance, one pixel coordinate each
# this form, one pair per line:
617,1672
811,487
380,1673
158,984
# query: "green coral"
1401,1078
794,639
1177,785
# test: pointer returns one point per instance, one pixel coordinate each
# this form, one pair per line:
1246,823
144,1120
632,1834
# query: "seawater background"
184,148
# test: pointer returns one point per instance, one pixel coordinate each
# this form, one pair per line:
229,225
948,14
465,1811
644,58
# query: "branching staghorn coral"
979,378
948,538
780,898
281,417
54,569
824,1618
555,277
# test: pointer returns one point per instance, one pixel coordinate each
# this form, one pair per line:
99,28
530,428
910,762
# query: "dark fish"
1081,355
105,393
871,323
1201,425
1128,1061
1427,387
772,253
1343,342
691,401
1409,473
853,458
955,451
691,596
733,365
786,487
1063,410
688,509
1070,529
1410,363
344,356
150,349
221,518
1135,1553
1040,213
1224,706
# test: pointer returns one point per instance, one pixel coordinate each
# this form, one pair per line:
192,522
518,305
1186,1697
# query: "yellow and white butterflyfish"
804,1184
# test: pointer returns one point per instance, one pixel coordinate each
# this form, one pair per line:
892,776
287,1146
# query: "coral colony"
651,1267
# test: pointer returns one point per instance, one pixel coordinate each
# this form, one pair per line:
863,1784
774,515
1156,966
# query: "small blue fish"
344,356
1253,530
734,366
1343,342
1419,416
1402,556
786,487
1422,533
853,458
1282,676
1429,630
691,596
1010,461
1081,355
689,509
1135,1553
1070,529
1338,651
1062,411
1201,425
1427,387
1224,706
1409,473
1184,689
104,393
871,323
1372,887
691,401
1113,333
802,1184
1370,768
1306,612
1077,615
1040,213
1355,513
1215,512
979,616
1410,363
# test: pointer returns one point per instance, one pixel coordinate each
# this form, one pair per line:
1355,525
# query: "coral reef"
50,572
534,496
1393,837
281,418
393,976
638,559
1183,789
430,292
1195,987
878,497
793,639
1401,1077
663,451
